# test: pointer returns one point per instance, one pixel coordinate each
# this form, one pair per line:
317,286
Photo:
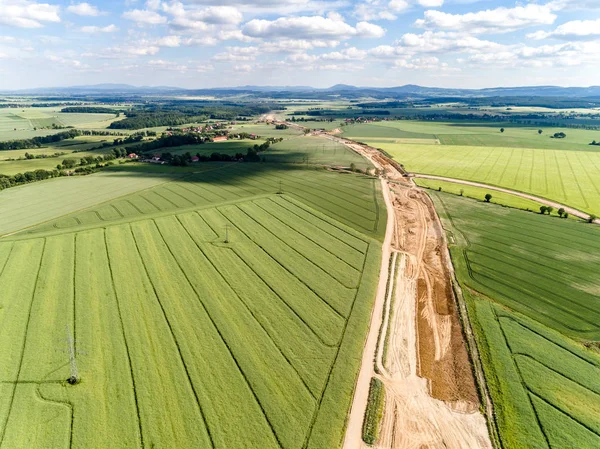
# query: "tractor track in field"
544,201
431,398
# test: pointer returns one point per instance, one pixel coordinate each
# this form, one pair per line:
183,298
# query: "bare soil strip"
544,201
431,397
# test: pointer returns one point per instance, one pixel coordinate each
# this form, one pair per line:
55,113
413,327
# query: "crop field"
314,150
478,193
22,123
474,134
533,296
570,177
207,310
350,199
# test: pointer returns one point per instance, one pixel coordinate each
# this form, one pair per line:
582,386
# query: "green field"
478,193
25,123
532,289
564,170
217,305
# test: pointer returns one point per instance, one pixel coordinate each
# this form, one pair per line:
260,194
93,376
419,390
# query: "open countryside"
299,225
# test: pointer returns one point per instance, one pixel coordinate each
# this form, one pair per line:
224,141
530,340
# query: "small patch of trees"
546,210
560,135
281,126
595,143
501,130
540,131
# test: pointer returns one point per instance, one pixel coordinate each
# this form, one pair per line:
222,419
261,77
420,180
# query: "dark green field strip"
372,130
326,182
575,363
329,189
337,267
560,429
326,196
203,378
339,248
297,342
323,283
542,287
550,260
321,222
536,230
543,309
314,311
184,273
581,404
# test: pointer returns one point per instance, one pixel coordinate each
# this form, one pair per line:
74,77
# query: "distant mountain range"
406,91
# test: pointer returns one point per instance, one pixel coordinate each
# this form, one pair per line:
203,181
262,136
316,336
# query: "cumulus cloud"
144,16
27,14
96,29
431,3
499,20
331,27
574,30
83,9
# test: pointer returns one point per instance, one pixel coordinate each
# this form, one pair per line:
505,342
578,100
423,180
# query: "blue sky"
205,43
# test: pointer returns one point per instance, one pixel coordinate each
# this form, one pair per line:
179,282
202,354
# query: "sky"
209,43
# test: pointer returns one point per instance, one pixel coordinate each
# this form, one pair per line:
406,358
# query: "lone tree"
543,209
549,209
566,215
540,131
501,130
488,197
462,191
591,218
561,212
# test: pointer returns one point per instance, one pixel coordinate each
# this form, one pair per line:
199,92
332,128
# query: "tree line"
36,142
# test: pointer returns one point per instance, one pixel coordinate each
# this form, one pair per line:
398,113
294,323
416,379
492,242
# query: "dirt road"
431,398
544,201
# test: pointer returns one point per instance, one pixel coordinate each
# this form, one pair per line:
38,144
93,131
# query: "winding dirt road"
544,201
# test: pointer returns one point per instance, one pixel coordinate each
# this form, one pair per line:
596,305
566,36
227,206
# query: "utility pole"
226,233
74,378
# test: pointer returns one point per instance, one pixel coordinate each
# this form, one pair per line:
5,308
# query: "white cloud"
27,14
574,30
431,3
499,20
96,29
83,9
332,27
347,54
243,68
144,16
66,61
168,41
219,15
236,54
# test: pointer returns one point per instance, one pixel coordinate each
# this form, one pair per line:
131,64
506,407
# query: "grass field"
474,134
253,342
533,296
350,199
569,177
478,193
25,123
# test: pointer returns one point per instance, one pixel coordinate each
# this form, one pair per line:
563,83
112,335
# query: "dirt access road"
544,201
430,394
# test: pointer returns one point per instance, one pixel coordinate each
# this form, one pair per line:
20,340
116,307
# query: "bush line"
374,411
